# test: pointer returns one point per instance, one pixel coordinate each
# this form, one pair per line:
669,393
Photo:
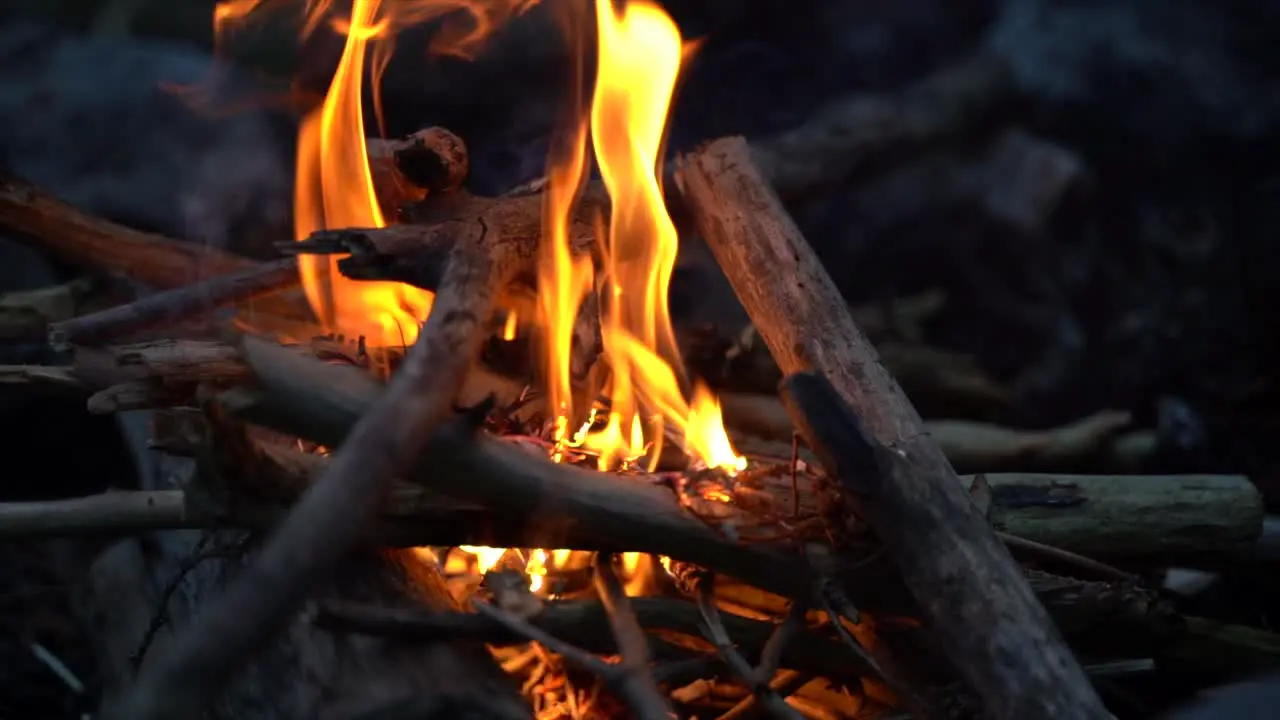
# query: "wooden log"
332,516
961,575
308,398
1140,518
103,246
173,305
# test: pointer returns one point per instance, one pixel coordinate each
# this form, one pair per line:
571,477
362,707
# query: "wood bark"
989,623
336,511
1139,519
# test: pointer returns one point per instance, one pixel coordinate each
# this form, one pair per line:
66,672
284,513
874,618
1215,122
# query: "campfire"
451,455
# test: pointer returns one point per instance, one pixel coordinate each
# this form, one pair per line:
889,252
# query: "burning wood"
803,579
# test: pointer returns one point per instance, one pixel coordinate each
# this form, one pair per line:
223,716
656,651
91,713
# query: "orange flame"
640,53
333,182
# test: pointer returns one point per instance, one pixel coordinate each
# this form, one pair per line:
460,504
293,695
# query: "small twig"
200,553
616,677
837,606
771,655
1032,547
644,698
786,683
715,633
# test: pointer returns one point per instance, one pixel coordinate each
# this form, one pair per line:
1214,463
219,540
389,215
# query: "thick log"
104,246
173,305
990,624
1138,519
1135,517
336,511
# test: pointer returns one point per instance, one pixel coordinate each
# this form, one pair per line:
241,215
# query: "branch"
174,305
585,624
97,244
640,695
718,636
897,477
637,681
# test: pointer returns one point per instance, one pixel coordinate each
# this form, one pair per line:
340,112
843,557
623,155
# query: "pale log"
989,623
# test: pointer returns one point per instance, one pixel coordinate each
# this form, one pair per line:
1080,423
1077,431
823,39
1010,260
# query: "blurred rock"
1162,74
98,122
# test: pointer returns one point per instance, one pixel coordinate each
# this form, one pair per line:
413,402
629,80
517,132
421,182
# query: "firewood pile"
346,527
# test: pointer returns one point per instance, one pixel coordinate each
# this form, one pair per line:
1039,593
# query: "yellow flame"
511,326
333,183
334,189
639,59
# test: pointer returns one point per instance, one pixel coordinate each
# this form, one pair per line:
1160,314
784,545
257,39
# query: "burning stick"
991,626
631,677
332,516
756,680
173,305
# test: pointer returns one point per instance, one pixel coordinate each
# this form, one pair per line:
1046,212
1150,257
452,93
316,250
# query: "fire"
639,58
640,55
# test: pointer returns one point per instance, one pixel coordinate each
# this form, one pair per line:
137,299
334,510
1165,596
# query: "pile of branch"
331,471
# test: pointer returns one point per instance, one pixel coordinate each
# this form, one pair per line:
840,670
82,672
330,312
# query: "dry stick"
585,624
645,699
100,245
635,694
174,305
331,517
971,592
718,636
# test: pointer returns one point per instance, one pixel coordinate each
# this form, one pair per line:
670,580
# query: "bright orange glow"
639,59
334,189
333,182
